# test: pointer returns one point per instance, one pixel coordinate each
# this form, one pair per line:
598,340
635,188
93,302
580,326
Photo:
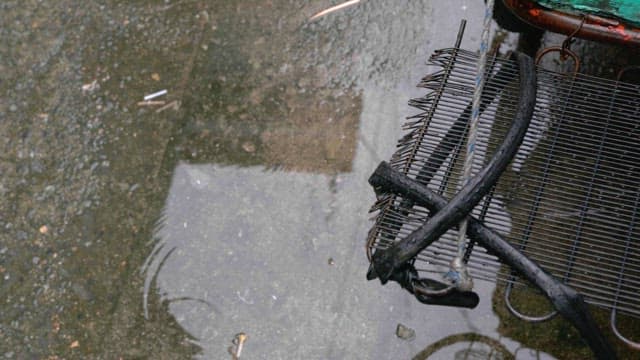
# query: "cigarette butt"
242,337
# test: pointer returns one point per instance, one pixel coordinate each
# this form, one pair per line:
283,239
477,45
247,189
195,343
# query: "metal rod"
623,265
446,71
458,269
568,302
526,233
483,213
515,312
457,131
384,262
587,199
582,122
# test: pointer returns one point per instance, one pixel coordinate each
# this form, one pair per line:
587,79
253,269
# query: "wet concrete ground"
238,205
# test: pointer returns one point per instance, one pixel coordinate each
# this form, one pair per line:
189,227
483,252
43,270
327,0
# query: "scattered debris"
44,229
243,297
74,344
151,103
90,86
238,342
334,8
204,15
55,324
175,105
155,95
249,147
155,76
405,333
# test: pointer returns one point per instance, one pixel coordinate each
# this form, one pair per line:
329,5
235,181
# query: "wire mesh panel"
568,200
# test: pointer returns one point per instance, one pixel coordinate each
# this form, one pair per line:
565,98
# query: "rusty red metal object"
590,27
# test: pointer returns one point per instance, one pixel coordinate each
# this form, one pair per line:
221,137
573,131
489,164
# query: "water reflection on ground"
262,230
241,195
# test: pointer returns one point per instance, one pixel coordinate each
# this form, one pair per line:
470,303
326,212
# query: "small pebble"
249,147
82,292
37,166
405,333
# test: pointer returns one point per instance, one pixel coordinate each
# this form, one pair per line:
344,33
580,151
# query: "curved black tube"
458,130
385,262
567,301
407,277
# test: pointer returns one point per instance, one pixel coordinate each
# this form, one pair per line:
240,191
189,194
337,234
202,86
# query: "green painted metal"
626,10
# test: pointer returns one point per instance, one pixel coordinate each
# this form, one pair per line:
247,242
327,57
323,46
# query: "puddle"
237,202
258,233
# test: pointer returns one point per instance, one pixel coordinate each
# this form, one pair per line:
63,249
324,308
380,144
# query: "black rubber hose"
454,137
385,262
567,301
408,278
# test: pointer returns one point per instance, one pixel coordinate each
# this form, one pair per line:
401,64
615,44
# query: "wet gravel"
86,170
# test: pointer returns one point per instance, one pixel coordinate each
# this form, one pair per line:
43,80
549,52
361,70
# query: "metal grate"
569,199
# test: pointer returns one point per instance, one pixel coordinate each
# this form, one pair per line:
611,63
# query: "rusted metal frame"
594,27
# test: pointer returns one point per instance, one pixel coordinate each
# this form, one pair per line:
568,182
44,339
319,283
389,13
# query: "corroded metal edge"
593,28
